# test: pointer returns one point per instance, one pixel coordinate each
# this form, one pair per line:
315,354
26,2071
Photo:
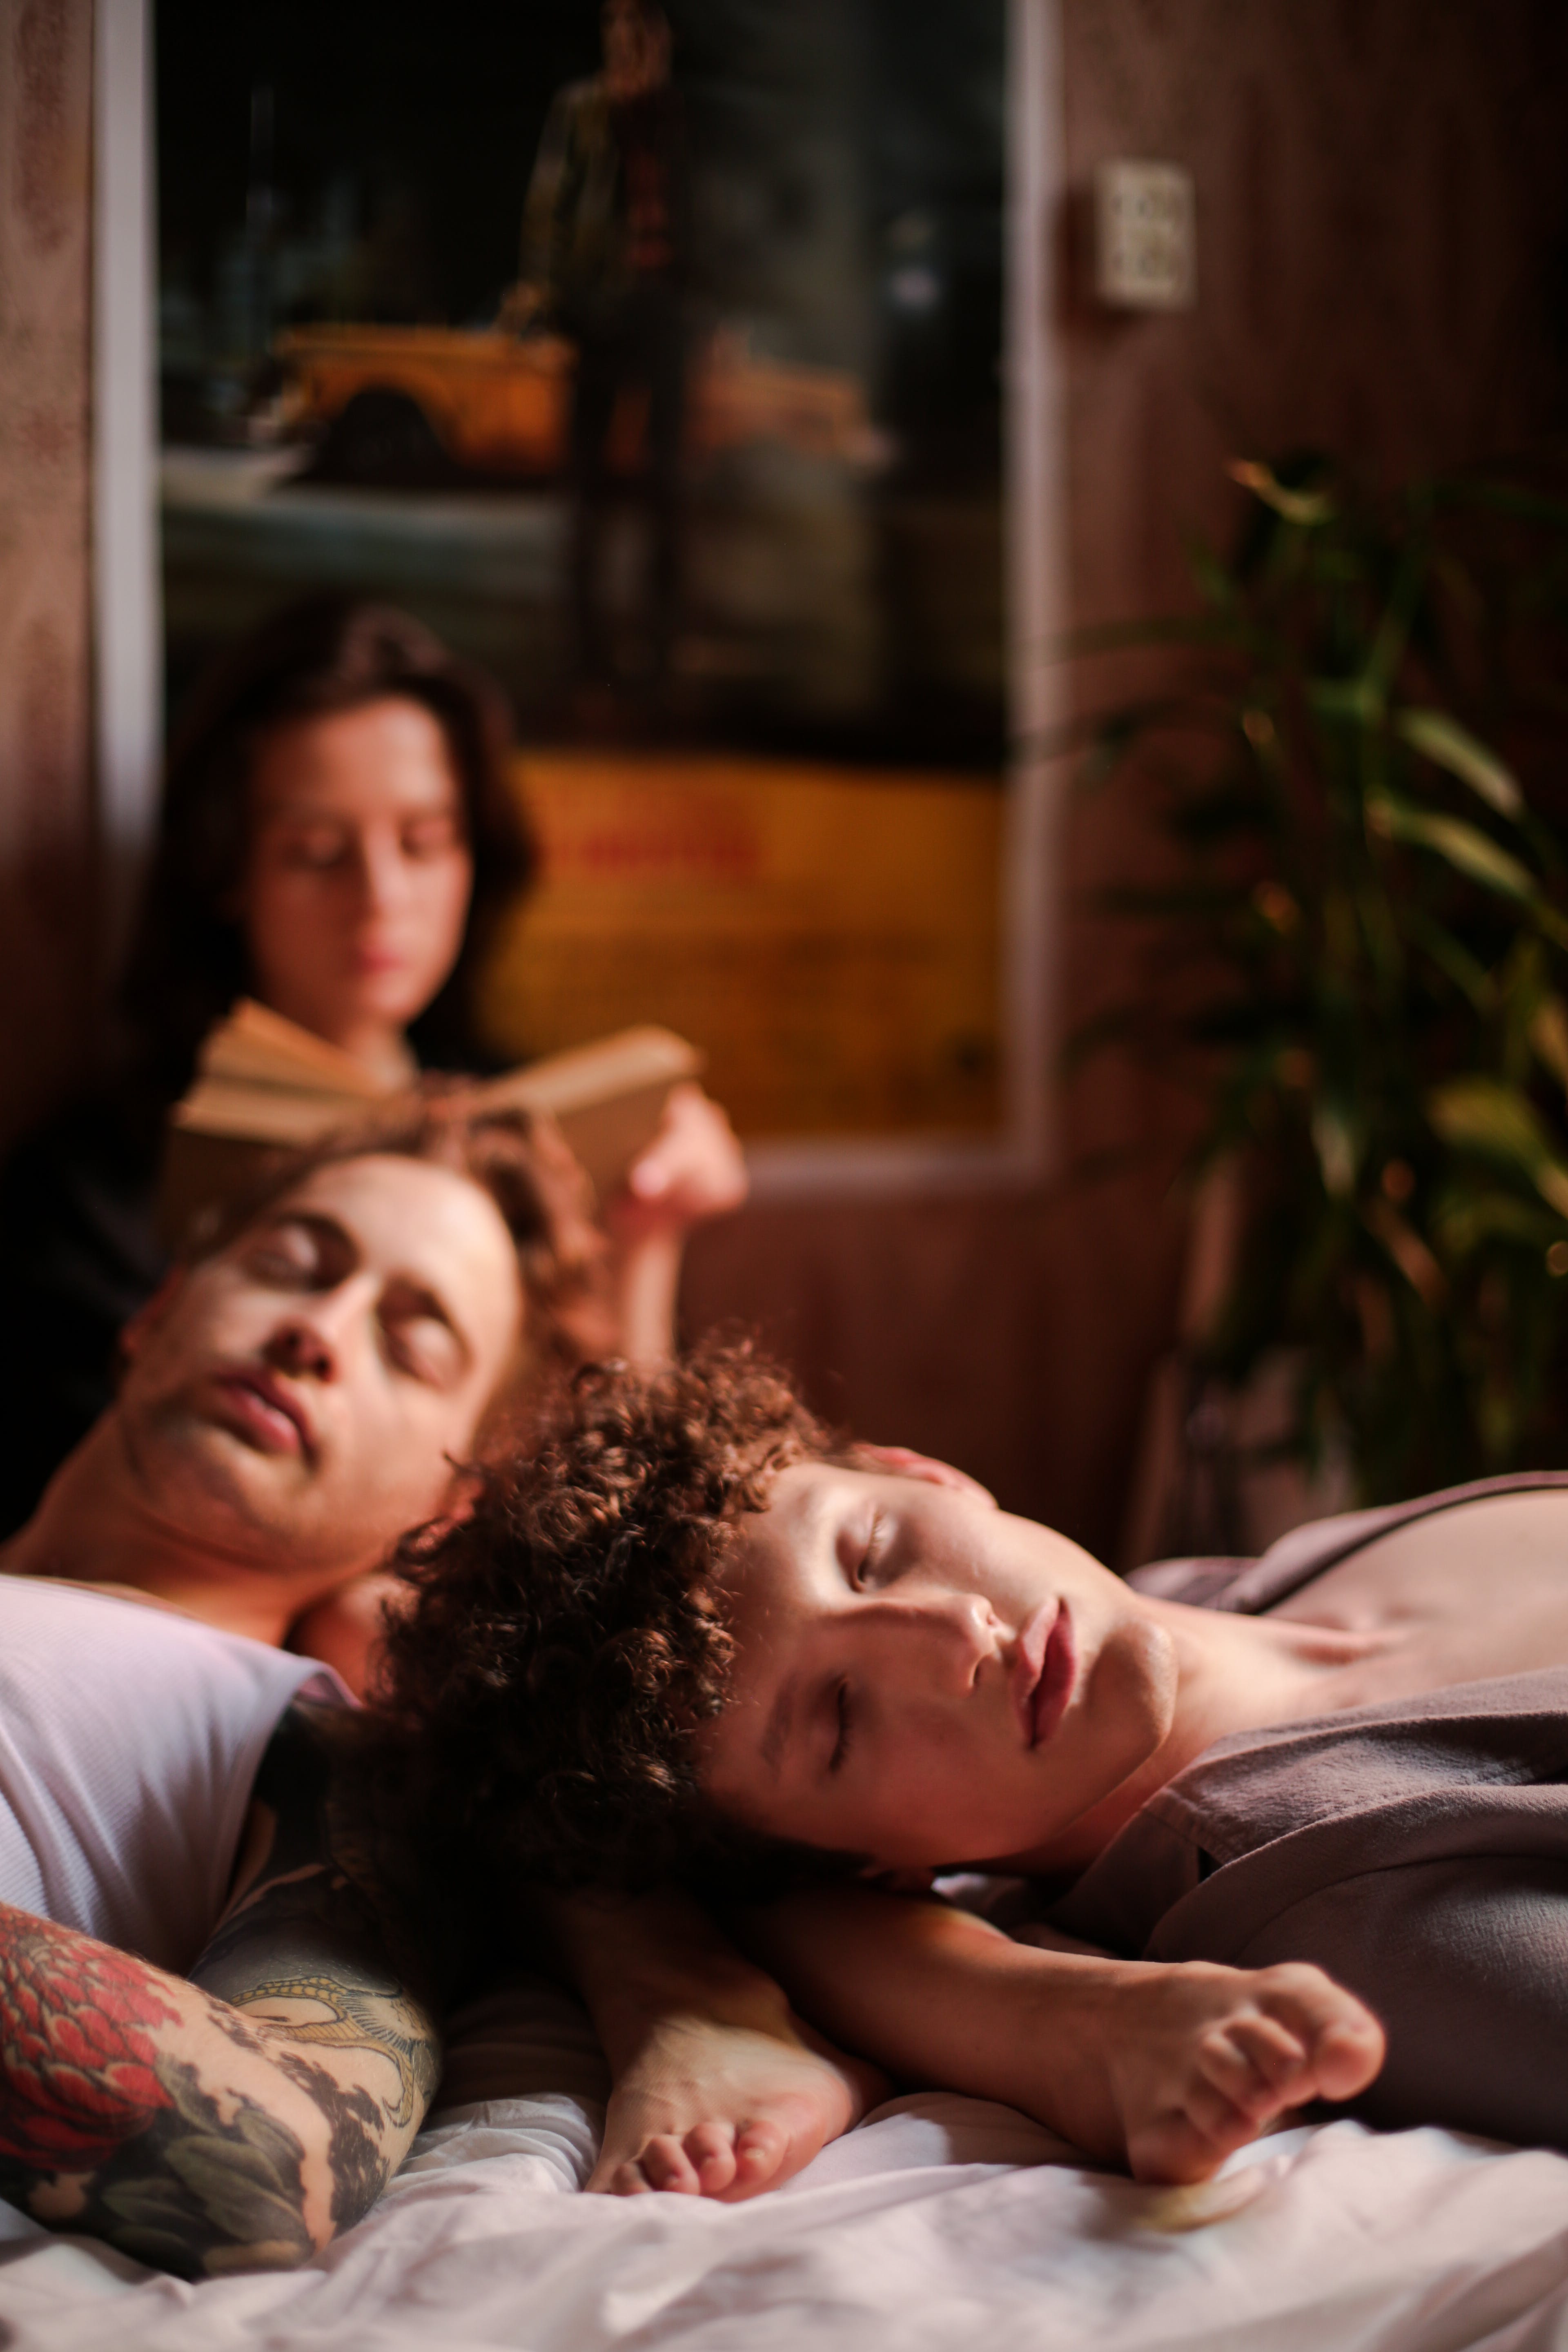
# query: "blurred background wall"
1382,269
1382,202
48,934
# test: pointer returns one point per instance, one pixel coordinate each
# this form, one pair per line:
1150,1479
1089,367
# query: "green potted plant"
1362,962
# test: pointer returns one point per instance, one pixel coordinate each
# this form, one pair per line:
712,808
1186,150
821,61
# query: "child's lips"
1043,1673
1055,1688
1029,1664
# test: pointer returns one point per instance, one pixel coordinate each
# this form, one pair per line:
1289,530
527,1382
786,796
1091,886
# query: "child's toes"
1348,2055
710,2151
760,2151
1343,2041
666,2166
1248,2077
1281,2058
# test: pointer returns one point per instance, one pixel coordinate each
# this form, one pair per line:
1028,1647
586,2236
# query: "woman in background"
340,838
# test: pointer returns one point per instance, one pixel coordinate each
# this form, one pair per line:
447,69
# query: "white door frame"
128,631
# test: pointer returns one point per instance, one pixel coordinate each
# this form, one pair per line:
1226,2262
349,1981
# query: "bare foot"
1186,2063
705,2109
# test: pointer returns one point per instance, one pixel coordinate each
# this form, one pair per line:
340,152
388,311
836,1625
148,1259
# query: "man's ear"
904,1463
147,1317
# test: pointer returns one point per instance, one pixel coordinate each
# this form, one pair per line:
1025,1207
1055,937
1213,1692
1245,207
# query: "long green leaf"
1464,1222
1548,1035
1304,508
1448,745
1465,847
1334,1141
1408,1250
1486,1116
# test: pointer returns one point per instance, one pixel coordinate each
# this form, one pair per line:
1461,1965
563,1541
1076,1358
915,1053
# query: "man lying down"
234,1912
711,1641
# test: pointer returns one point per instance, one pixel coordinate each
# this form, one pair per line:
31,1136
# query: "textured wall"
45,869
1381,212
1380,191
1381,238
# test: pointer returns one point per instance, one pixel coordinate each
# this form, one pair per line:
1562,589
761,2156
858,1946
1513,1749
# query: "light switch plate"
1145,237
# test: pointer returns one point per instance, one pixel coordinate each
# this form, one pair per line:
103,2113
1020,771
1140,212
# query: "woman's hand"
693,1169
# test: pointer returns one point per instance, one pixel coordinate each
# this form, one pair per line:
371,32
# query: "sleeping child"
717,1646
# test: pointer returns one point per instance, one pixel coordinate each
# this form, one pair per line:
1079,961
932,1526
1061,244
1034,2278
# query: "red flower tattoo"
77,2059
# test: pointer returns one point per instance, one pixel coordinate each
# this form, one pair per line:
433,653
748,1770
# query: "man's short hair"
564,1644
525,1168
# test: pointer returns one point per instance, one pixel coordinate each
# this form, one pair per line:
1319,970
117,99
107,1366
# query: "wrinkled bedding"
941,2223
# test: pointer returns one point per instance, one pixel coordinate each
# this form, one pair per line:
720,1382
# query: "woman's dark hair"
324,653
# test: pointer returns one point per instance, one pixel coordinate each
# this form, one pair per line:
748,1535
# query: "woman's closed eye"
315,848
430,836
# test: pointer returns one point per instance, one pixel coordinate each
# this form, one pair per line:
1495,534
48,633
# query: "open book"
264,1085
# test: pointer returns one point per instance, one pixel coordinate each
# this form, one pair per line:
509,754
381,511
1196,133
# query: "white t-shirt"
129,1741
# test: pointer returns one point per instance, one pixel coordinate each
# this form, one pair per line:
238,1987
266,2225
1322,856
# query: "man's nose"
317,1337
303,1347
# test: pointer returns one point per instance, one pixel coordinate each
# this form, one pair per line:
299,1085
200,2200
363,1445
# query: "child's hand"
1194,2061
707,2109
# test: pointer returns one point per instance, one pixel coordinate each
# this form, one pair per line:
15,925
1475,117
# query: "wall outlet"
1145,254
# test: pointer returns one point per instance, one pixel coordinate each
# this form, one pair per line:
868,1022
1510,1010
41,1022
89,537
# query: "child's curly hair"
564,1643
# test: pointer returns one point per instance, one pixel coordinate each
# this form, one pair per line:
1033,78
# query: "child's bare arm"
1166,2068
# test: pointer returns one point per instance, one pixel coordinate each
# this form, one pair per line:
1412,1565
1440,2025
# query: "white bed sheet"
942,2224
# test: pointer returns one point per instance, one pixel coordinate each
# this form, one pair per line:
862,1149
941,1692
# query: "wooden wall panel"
1381,233
46,934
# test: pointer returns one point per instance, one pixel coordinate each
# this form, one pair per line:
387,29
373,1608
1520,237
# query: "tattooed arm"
238,2120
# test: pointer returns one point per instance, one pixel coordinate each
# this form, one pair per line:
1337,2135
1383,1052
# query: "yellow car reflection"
394,403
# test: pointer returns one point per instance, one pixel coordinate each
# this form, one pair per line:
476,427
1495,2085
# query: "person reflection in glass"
606,253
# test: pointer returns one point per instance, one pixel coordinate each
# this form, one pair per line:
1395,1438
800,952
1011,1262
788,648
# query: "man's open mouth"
262,1409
